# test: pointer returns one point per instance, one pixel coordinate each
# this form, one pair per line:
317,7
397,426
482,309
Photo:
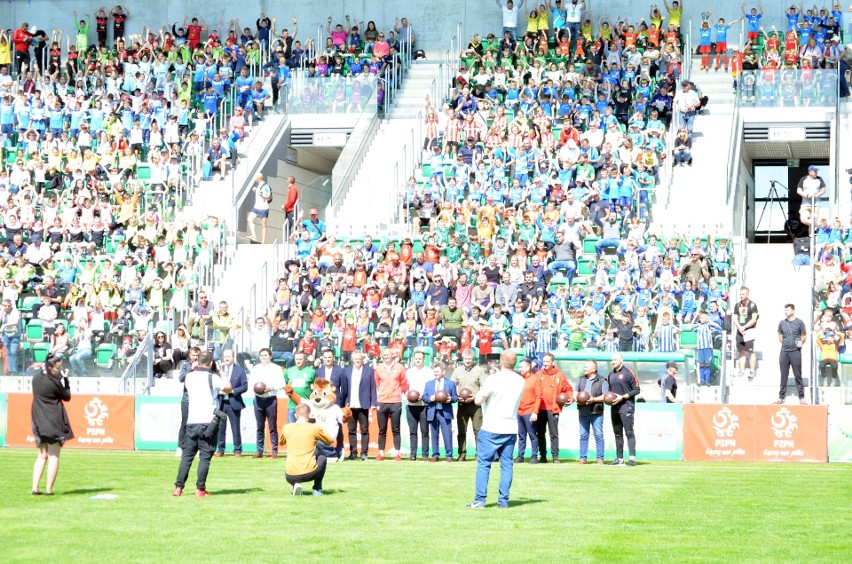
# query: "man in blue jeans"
591,413
564,254
11,334
499,397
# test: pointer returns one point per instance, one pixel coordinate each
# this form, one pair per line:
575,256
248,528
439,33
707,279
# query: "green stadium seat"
688,339
105,355
35,331
40,351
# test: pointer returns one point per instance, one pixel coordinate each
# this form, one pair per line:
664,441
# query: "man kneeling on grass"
303,463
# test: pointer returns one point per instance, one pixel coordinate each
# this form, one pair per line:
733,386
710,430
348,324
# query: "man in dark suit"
334,374
361,398
440,414
232,403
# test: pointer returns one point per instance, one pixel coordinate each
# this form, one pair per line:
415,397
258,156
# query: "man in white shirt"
499,397
573,18
687,103
266,404
510,17
417,376
203,389
811,188
262,198
361,397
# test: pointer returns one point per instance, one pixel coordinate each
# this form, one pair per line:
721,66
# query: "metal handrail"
143,354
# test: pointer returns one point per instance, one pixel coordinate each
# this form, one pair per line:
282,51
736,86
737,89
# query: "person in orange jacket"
528,411
552,383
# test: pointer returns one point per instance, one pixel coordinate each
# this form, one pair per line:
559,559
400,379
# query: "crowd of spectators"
531,214
103,135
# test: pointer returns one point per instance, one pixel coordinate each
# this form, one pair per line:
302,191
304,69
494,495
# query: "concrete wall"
309,171
434,22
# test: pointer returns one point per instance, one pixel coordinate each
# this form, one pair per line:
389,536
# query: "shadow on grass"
236,491
513,502
86,491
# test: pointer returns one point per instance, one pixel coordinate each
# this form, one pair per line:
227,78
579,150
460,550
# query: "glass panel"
331,95
789,88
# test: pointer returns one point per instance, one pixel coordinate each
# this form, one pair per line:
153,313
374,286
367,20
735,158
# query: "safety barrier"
692,432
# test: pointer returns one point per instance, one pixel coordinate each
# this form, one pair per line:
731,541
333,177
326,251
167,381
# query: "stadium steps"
416,86
243,284
698,193
773,282
373,199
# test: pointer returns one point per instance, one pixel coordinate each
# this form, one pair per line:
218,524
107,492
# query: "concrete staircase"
698,193
416,86
373,199
246,285
773,282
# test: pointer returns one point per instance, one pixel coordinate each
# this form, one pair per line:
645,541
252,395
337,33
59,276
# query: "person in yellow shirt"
303,464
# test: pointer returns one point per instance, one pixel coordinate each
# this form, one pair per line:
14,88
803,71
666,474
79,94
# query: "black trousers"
622,424
791,359
184,413
416,415
547,421
234,421
359,417
266,410
195,443
389,412
316,476
468,412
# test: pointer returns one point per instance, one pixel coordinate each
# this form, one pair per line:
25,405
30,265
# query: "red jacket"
553,383
292,198
531,396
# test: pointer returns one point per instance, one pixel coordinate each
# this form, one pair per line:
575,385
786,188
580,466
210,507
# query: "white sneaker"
178,452
297,489
749,373
739,374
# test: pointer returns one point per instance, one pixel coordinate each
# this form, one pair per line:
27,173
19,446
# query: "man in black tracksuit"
623,382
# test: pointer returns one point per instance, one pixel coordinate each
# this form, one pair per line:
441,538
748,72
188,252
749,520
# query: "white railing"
141,365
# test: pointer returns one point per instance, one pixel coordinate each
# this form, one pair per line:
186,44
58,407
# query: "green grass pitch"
415,512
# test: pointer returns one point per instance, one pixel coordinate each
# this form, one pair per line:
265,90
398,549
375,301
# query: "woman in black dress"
51,427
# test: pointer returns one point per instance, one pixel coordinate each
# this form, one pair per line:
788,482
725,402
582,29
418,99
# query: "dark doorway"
776,203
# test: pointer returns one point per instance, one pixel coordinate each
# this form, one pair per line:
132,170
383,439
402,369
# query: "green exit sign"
792,163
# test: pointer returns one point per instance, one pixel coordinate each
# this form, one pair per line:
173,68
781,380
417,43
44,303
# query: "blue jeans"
287,357
512,31
291,415
489,445
526,428
12,343
78,361
596,423
328,451
568,265
687,119
800,259
605,244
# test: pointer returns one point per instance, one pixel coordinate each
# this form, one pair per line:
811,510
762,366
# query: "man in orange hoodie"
528,411
552,383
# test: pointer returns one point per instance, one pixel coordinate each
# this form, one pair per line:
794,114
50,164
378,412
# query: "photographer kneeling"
204,389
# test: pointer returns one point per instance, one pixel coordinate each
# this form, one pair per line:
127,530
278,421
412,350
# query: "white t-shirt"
355,392
417,378
573,12
510,17
261,193
271,374
500,411
200,398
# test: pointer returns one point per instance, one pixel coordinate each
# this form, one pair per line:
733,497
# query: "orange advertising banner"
794,433
718,432
98,421
749,433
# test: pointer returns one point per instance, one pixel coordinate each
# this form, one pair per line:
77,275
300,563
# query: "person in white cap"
811,188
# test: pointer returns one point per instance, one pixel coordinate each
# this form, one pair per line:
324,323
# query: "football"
583,398
563,399
259,387
465,394
412,396
441,396
610,397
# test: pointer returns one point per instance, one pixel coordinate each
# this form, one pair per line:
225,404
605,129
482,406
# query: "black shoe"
533,460
352,456
462,458
616,462
519,459
631,462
